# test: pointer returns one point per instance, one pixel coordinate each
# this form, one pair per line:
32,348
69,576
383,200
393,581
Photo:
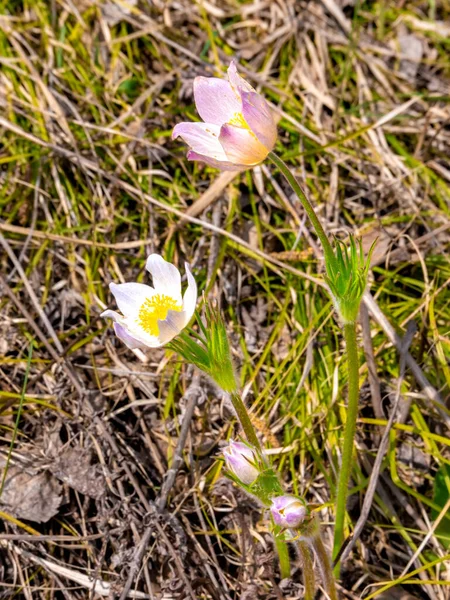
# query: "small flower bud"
242,461
288,511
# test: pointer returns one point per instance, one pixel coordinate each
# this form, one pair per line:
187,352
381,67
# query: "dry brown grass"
91,182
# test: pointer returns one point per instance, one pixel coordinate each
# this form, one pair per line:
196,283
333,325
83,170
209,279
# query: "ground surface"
91,183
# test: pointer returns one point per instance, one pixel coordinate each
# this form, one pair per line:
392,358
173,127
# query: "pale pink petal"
242,146
166,277
130,296
259,118
240,466
203,138
277,518
237,82
241,448
215,100
223,165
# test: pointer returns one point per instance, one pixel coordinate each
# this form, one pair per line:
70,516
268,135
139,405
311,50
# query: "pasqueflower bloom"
238,130
288,511
152,316
241,460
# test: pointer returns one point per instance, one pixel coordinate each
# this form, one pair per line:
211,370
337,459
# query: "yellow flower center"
155,309
238,120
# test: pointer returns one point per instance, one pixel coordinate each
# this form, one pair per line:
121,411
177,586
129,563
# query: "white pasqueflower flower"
152,316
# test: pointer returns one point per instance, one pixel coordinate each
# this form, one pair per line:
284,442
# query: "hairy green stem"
283,557
245,421
249,430
352,359
349,437
309,579
323,560
327,248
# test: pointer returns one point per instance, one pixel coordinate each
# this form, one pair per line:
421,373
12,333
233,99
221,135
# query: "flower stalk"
283,558
346,276
311,540
209,350
324,563
327,248
349,435
244,420
309,579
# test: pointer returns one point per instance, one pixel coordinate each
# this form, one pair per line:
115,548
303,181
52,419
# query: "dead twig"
374,383
31,293
431,393
192,395
32,323
102,588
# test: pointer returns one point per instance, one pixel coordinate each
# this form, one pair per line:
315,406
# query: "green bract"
266,486
209,350
347,278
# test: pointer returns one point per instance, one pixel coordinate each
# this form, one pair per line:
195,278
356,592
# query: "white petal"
128,338
112,314
129,332
166,277
130,296
133,328
171,326
190,295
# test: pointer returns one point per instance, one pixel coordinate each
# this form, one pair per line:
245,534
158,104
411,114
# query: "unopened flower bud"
288,511
242,461
347,278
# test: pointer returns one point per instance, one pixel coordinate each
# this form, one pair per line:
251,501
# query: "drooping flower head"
242,461
152,316
288,511
238,130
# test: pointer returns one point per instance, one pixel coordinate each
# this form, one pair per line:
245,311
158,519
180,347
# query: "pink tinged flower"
241,460
238,130
152,316
288,511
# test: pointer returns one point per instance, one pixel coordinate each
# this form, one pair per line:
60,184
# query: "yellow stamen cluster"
155,309
238,121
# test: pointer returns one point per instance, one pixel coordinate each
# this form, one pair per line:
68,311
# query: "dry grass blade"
91,183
